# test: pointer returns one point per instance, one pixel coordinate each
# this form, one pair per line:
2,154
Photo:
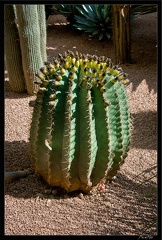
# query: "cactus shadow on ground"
139,199
15,159
144,133
25,187
123,206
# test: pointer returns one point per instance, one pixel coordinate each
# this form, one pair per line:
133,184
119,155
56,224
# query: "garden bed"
124,206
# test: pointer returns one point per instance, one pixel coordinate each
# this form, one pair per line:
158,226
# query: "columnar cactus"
80,130
25,44
13,56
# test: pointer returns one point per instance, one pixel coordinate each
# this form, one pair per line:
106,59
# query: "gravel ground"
125,207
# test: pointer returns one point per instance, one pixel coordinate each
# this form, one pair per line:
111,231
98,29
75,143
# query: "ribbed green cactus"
25,44
13,56
80,130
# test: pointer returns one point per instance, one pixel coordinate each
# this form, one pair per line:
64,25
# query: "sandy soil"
125,207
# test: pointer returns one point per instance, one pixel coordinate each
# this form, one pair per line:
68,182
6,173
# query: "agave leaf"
85,8
107,11
107,35
92,12
99,6
102,13
85,28
65,9
96,31
84,21
98,9
108,19
101,35
91,30
89,16
82,26
93,8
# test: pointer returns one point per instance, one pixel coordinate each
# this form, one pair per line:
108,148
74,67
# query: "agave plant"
95,19
80,130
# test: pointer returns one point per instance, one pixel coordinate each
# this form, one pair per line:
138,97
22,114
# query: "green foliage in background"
96,19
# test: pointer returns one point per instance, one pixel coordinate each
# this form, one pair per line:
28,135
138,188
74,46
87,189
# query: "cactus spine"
80,130
30,51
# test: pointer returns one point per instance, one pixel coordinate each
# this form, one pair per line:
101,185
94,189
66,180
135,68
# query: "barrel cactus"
80,129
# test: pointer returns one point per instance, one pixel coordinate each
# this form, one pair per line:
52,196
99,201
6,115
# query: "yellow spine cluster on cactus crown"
95,71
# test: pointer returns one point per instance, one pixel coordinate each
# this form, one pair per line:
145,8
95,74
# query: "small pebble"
40,195
47,191
15,191
81,196
65,196
54,192
49,203
101,187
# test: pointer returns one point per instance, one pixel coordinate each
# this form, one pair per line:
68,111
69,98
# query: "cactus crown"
80,131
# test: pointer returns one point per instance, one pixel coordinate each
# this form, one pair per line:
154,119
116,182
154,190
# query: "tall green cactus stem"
13,56
32,34
43,32
80,130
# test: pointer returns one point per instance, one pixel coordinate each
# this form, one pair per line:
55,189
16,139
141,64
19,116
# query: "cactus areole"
80,130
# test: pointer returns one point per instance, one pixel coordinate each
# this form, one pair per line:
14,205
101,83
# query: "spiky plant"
80,130
95,19
25,44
